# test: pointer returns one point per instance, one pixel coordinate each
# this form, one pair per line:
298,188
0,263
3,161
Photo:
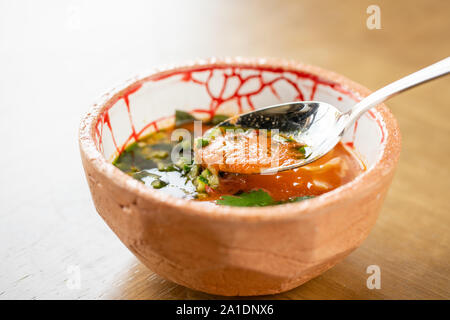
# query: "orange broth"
149,161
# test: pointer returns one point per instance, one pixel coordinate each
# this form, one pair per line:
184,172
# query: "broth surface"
149,160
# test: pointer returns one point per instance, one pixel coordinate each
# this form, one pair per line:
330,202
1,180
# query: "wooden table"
55,58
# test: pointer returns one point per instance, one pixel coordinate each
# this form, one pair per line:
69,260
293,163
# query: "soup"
164,161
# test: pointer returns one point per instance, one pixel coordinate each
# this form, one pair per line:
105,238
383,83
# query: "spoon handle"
436,70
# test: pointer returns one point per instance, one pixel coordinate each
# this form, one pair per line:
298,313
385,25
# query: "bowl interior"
150,103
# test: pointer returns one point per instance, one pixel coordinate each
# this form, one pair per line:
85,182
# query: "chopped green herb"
203,179
200,184
182,161
166,168
201,142
182,117
158,184
194,172
302,150
211,178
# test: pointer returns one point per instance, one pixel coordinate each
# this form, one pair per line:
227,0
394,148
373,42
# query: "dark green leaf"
258,198
131,147
182,117
218,118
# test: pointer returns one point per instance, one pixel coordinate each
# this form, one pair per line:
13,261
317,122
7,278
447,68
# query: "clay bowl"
227,250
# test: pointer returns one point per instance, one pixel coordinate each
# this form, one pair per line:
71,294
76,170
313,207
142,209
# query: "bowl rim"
364,182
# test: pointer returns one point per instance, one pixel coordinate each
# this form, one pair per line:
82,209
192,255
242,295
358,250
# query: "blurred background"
57,57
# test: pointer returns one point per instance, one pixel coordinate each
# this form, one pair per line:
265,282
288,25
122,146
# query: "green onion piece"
201,142
194,171
158,184
203,179
166,168
201,183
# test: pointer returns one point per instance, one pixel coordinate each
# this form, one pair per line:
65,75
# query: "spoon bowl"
319,125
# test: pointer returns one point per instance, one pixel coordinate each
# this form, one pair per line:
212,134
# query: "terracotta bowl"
227,250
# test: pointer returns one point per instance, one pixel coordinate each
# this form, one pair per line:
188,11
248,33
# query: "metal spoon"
320,125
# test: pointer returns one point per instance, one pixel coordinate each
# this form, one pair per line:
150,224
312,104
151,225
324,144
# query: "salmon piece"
247,152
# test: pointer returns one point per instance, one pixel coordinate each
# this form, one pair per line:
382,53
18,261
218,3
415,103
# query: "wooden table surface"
56,57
